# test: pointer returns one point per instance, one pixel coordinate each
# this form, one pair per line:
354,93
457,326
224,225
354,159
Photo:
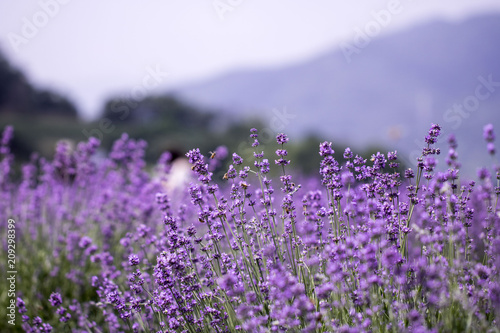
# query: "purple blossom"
409,174
488,133
85,242
325,149
55,299
7,135
491,148
483,173
348,153
434,132
281,138
237,160
234,254
22,306
133,260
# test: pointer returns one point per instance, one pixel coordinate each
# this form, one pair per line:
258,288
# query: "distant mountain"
389,93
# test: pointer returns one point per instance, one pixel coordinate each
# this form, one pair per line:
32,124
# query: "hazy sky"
90,51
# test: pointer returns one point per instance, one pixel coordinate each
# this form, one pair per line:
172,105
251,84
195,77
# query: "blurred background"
372,75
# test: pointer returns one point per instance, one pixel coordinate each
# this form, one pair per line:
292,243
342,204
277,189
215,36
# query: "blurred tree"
13,88
18,96
48,102
169,110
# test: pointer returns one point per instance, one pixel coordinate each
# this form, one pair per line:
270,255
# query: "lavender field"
109,245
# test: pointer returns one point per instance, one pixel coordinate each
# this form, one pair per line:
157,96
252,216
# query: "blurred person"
174,172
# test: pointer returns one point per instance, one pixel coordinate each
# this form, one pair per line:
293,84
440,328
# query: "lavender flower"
281,138
488,133
361,249
133,260
55,299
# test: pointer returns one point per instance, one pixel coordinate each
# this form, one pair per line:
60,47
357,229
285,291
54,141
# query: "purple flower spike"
55,299
488,133
348,153
237,160
433,134
281,138
452,141
325,149
21,306
133,260
491,148
8,133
